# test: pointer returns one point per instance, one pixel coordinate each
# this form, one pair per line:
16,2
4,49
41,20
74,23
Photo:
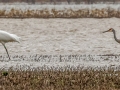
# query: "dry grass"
72,79
66,13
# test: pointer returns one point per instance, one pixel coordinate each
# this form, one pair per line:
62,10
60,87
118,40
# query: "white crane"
7,37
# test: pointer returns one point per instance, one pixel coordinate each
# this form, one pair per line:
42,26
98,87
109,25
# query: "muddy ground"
61,37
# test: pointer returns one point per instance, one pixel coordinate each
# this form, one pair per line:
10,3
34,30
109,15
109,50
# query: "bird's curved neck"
115,36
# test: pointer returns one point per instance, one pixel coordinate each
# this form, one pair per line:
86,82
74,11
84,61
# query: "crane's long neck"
115,36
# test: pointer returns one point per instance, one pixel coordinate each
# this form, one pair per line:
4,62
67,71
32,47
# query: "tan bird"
112,30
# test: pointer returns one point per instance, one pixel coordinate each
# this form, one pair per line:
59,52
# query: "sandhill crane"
112,30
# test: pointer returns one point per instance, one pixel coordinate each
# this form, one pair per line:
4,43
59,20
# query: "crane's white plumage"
7,37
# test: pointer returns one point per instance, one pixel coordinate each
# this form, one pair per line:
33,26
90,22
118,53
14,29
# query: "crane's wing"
7,37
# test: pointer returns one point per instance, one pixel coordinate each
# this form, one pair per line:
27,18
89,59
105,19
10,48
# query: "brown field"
78,79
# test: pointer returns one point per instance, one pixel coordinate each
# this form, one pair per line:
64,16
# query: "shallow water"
62,36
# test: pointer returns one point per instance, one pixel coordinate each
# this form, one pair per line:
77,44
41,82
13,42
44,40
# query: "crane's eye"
110,30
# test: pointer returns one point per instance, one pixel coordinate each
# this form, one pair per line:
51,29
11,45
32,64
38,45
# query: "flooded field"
61,37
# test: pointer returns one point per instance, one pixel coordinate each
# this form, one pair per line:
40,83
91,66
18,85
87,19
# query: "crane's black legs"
6,49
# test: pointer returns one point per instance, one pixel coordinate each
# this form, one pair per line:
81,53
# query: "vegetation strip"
81,79
59,11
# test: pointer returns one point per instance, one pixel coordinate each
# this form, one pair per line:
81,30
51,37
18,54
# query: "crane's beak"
105,31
